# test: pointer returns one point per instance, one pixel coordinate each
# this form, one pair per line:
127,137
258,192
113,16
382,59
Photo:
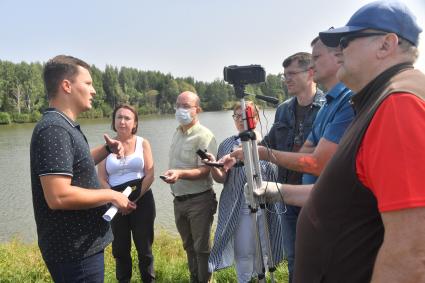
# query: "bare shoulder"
146,145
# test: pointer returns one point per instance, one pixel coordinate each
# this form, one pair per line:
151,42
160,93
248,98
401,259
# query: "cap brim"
332,37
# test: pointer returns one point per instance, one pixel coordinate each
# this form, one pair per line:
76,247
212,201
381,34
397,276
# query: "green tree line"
23,98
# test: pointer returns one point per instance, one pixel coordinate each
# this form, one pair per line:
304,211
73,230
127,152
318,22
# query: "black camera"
243,75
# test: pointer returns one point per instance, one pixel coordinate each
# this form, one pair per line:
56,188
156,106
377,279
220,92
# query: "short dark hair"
59,68
317,40
303,59
314,41
128,107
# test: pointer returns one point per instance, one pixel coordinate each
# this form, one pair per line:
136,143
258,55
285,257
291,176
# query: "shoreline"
21,262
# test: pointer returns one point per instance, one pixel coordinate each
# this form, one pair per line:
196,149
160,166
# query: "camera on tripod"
243,75
239,77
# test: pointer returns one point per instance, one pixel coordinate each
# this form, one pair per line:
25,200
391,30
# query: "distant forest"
23,98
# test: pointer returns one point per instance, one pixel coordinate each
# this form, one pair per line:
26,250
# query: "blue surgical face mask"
183,116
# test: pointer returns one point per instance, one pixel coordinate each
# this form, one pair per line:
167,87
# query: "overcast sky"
185,38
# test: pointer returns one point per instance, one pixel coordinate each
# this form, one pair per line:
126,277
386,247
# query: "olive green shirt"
183,156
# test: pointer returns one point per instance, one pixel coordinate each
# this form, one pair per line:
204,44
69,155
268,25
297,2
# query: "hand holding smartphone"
202,154
214,164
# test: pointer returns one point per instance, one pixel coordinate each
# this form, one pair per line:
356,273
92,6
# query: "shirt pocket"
188,154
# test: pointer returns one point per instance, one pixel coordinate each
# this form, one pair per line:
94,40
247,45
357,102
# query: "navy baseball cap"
389,16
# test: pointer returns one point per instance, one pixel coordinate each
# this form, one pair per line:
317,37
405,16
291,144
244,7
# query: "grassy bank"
22,263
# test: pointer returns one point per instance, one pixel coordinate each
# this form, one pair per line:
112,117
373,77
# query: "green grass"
21,262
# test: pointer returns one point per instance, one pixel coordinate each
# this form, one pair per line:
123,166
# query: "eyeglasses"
345,40
184,106
291,74
237,117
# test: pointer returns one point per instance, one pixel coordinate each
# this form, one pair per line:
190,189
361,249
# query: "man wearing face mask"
191,185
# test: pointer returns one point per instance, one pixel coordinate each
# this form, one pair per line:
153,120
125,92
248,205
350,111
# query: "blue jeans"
289,232
90,269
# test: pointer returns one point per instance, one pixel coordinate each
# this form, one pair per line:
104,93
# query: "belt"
189,196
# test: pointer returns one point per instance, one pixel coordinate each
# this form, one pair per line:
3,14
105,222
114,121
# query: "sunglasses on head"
345,40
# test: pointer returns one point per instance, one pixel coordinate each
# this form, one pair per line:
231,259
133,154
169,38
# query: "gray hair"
408,49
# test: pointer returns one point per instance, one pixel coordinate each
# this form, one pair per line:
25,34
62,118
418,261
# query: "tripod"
254,180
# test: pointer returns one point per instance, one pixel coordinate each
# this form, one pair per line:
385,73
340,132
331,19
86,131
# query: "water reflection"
16,213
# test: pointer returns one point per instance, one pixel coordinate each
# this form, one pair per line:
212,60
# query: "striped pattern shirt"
232,202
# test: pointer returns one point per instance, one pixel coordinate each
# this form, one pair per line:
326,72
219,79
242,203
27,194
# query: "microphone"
268,99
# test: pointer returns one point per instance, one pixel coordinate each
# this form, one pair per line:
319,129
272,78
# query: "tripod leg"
254,180
267,243
259,254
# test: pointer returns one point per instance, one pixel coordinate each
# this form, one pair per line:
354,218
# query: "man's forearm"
99,153
194,174
395,267
296,161
80,198
296,195
401,256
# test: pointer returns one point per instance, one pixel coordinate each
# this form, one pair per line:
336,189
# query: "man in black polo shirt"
67,199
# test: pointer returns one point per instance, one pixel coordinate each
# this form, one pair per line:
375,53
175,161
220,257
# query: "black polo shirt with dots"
58,147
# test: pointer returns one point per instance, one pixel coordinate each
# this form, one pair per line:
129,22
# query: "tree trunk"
18,99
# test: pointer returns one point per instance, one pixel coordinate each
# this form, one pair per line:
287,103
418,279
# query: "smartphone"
214,164
202,154
163,177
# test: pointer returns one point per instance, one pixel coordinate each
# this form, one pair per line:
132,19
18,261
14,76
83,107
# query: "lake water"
16,211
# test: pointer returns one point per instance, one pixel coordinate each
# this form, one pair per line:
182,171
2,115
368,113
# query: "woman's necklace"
128,145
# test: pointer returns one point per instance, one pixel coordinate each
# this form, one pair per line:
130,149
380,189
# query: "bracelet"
108,149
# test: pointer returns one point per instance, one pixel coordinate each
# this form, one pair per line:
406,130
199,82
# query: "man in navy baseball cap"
363,221
384,16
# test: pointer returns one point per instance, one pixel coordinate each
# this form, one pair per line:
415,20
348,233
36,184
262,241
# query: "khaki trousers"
194,217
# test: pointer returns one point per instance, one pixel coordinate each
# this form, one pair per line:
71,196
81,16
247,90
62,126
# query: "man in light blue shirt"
331,121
